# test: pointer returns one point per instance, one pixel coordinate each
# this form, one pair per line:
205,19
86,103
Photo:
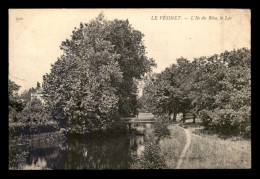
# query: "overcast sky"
34,41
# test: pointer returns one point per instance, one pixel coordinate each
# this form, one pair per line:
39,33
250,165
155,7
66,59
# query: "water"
114,152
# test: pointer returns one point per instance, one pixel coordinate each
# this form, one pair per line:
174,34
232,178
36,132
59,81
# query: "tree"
89,84
132,61
38,85
156,95
26,95
15,103
34,112
230,111
216,89
169,90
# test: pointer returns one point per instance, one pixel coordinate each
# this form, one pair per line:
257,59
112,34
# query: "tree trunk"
184,116
174,116
194,117
129,127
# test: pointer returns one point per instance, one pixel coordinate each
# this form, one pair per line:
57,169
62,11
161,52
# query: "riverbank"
157,145
17,157
78,152
172,147
43,137
204,152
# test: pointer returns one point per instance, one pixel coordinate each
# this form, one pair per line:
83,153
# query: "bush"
31,128
34,112
151,158
161,130
227,121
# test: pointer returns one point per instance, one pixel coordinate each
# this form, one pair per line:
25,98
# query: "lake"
111,152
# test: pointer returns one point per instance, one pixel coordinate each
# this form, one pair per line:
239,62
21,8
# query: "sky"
36,34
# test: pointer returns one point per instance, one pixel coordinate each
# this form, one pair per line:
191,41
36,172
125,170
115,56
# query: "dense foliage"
26,95
29,115
215,88
14,101
95,80
34,113
152,157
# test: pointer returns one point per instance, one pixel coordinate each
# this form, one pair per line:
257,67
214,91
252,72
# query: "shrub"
161,130
34,112
151,158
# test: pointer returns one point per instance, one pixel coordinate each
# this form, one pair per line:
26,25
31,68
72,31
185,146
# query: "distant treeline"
217,89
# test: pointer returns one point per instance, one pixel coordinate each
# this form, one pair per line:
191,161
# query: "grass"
206,153
172,147
210,150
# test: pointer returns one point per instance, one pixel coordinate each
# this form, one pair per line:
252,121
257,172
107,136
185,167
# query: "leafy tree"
230,111
15,103
38,85
90,84
26,95
132,61
170,89
34,112
217,89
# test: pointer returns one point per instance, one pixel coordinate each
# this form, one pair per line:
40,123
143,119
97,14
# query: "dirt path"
232,144
186,147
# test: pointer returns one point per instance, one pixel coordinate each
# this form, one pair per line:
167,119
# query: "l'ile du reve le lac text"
191,18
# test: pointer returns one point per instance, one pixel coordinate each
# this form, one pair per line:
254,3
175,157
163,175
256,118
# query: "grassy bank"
213,150
43,137
162,150
20,133
23,129
172,147
206,153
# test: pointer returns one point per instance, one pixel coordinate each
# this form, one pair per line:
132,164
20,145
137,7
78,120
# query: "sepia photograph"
113,89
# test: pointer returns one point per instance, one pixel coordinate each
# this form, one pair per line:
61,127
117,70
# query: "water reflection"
95,153
39,164
140,149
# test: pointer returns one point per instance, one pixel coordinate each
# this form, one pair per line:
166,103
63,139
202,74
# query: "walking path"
232,143
186,147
